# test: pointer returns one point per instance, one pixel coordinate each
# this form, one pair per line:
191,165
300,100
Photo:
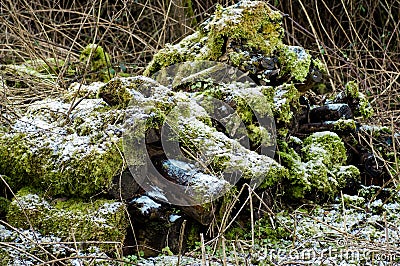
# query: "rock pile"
83,164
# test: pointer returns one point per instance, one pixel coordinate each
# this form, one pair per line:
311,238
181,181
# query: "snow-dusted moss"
254,104
120,91
296,62
320,169
77,156
249,36
325,146
72,220
225,154
355,99
199,138
285,102
346,174
344,125
252,23
352,91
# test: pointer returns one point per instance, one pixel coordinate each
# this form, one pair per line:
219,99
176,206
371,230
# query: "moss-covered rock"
357,101
227,155
72,220
247,35
196,134
252,23
77,157
296,62
286,103
321,169
120,91
326,147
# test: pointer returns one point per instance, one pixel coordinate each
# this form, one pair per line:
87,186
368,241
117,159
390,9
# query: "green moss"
119,92
319,172
317,63
286,101
228,155
345,125
237,58
19,163
244,110
351,91
287,155
79,159
114,93
296,62
299,184
259,135
253,24
80,174
346,174
365,108
72,220
257,26
325,146
93,172
167,56
351,201
99,62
